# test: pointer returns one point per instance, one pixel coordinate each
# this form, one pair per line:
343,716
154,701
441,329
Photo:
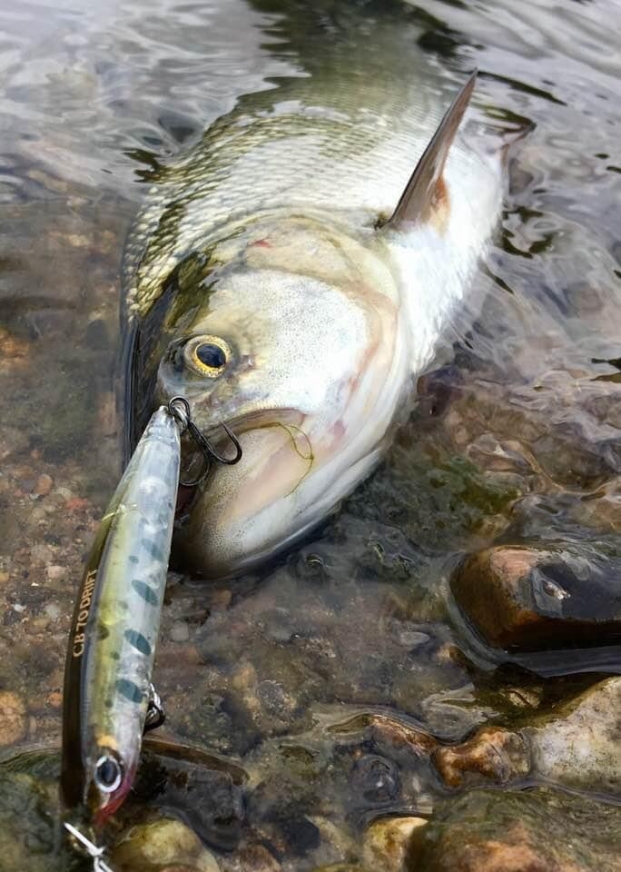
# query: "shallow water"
515,440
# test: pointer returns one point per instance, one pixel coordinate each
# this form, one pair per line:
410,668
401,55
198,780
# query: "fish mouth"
223,443
236,514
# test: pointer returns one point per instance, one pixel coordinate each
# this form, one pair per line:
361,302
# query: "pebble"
491,754
386,843
13,721
55,573
253,858
160,844
179,632
53,611
44,485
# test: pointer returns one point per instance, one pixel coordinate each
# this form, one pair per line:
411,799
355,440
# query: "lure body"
115,628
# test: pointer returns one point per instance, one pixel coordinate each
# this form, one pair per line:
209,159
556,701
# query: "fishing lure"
109,700
115,626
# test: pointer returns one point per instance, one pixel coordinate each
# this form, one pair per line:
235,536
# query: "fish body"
115,627
292,306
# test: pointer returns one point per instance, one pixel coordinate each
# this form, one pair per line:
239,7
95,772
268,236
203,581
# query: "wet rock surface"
525,598
539,830
491,754
162,845
388,842
575,745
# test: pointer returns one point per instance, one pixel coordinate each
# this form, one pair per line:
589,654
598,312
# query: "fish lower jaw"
289,479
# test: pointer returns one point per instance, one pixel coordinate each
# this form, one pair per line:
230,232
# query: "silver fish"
291,277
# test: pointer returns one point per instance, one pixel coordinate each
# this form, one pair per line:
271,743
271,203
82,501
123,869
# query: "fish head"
293,340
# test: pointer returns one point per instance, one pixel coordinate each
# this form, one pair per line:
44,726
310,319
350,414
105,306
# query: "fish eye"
108,773
209,355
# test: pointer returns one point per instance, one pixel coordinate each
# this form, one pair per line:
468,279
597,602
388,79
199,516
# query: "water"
516,438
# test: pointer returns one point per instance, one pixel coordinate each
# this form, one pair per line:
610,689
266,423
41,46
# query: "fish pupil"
108,773
211,355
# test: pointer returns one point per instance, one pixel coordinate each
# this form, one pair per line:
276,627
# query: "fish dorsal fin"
425,193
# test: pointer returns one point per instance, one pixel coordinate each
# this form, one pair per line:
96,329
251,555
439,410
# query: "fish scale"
344,138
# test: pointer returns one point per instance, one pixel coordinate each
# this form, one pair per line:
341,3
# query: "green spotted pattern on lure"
115,629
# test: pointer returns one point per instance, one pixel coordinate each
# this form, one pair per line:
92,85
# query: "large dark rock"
525,599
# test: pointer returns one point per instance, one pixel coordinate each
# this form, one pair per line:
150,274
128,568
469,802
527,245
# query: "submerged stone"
386,843
579,744
161,845
539,830
525,599
492,754
576,745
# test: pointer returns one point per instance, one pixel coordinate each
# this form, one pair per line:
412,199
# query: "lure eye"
108,773
209,355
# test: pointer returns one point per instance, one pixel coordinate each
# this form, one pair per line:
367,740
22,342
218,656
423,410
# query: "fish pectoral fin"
425,198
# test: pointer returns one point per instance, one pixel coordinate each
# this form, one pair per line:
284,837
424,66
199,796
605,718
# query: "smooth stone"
524,599
540,830
386,843
492,754
579,746
160,844
179,632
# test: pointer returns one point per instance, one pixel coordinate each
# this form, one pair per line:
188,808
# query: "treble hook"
184,417
155,711
95,853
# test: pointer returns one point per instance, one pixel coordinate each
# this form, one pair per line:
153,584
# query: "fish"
291,276
107,686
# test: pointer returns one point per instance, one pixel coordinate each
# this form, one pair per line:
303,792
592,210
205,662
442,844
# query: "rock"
13,721
576,745
14,351
12,441
492,753
539,830
43,486
162,845
253,858
55,699
579,744
387,842
525,599
56,573
179,632
340,867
